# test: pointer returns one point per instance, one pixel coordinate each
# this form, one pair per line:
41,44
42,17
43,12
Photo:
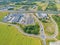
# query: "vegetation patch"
57,19
51,7
31,29
39,8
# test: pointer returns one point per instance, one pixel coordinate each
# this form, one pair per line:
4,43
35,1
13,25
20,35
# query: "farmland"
9,35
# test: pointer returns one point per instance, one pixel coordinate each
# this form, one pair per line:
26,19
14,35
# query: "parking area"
28,19
13,18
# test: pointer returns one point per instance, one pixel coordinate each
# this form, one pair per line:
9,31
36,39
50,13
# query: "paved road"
42,34
47,12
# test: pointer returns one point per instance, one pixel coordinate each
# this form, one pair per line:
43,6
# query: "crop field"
9,35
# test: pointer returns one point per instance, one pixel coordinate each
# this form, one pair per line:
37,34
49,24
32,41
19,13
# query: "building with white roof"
41,15
55,43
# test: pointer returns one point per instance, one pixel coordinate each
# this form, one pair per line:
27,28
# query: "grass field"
2,14
58,6
43,5
57,19
9,35
49,27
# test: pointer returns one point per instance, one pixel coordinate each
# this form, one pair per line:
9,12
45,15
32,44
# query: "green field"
9,35
57,19
49,28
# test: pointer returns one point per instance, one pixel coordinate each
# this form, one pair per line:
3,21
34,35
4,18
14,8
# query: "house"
41,15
